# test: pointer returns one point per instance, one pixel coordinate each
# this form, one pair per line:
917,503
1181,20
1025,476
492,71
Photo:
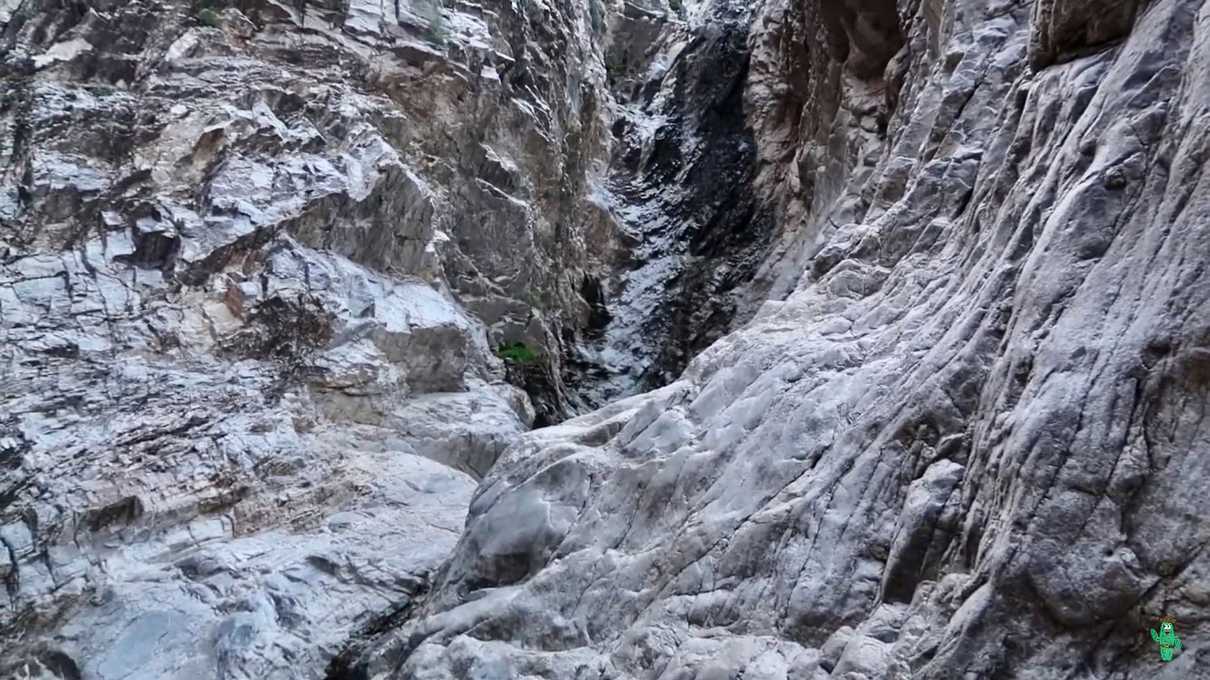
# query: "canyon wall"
883,324
964,436
255,259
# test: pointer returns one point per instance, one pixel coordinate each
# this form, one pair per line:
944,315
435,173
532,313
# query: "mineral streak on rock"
887,323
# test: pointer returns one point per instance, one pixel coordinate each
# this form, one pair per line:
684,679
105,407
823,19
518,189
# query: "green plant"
517,353
208,17
612,71
675,5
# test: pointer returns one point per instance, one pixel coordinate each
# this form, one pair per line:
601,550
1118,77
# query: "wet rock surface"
680,185
934,272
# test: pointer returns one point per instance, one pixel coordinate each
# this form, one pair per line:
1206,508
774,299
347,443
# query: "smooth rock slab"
278,604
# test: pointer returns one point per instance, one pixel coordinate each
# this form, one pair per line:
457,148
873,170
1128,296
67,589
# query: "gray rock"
252,275
965,442
236,359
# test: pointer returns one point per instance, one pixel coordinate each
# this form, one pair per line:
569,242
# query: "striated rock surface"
918,288
254,257
457,145
964,440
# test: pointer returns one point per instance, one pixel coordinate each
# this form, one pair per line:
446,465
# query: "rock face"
967,441
253,260
934,270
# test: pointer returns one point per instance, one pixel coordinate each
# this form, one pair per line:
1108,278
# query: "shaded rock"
1062,28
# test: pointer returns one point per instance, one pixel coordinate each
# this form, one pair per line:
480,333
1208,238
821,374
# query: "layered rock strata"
254,261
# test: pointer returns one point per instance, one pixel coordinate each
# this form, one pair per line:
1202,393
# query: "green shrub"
517,353
208,17
675,5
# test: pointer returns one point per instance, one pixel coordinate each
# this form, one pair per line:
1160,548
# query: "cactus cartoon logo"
1166,638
